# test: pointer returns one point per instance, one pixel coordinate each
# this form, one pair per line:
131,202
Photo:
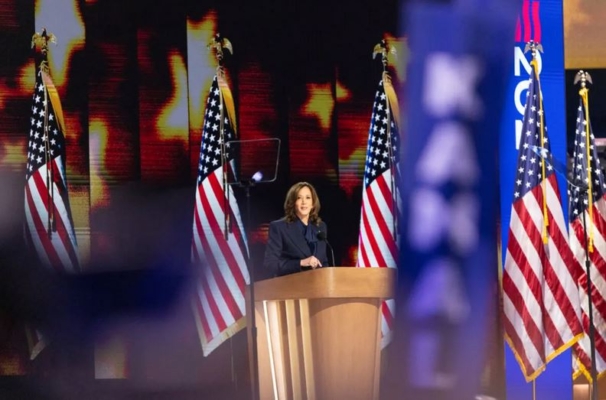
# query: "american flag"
49,226
378,240
540,294
219,245
584,150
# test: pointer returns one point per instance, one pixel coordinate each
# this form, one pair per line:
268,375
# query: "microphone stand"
332,254
265,151
322,236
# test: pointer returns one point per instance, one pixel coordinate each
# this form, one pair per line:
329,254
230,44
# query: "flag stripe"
380,199
224,278
35,224
236,260
515,282
211,194
59,241
562,285
515,332
199,311
217,324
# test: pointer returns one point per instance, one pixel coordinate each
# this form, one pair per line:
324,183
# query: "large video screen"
584,42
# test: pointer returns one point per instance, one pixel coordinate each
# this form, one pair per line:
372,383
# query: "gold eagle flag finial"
218,44
40,42
533,47
383,49
583,77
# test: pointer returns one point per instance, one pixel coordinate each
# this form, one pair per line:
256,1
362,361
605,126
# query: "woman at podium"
297,240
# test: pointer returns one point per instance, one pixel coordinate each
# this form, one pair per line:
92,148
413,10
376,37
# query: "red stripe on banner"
536,21
518,300
41,227
526,19
226,250
213,265
518,32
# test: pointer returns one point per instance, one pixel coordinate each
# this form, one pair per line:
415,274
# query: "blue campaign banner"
542,22
449,185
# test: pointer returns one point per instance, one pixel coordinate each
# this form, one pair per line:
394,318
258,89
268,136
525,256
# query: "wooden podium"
319,333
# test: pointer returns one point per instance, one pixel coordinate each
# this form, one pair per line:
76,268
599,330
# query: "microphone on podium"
322,236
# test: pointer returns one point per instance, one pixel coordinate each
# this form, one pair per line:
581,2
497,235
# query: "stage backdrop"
133,82
541,21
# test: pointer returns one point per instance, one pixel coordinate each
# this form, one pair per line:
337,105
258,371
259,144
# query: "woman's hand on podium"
311,262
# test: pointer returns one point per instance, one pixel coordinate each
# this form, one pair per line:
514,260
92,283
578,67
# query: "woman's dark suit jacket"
287,246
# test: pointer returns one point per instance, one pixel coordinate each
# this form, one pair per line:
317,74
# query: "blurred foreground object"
448,260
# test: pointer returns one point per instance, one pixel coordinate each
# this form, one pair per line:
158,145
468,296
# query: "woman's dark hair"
291,198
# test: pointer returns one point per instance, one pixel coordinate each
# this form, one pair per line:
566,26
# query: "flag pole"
384,49
218,44
584,77
40,43
534,47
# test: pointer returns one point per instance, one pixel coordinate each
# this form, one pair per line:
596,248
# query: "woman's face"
304,203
